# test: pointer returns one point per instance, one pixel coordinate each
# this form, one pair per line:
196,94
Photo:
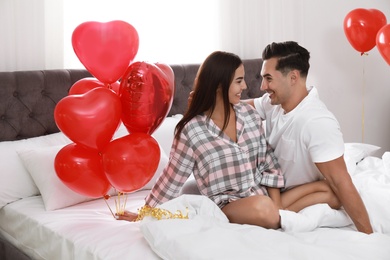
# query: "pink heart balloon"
146,92
105,49
89,119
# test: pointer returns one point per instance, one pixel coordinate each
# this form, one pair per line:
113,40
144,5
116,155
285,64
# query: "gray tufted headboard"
28,98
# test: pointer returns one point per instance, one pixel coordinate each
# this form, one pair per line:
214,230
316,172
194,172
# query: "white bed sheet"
84,231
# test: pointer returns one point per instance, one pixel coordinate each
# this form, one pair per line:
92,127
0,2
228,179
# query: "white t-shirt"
306,135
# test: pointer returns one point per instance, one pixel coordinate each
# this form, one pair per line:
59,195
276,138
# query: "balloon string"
120,204
105,200
363,93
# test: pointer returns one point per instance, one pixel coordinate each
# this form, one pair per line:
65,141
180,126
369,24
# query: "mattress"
83,231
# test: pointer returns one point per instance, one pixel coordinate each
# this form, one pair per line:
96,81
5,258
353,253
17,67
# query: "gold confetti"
159,214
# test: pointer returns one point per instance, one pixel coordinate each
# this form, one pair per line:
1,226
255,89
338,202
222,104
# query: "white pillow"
356,152
15,181
55,194
165,132
40,164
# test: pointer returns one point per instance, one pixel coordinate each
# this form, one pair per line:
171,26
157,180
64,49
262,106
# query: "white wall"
175,31
347,81
355,88
170,31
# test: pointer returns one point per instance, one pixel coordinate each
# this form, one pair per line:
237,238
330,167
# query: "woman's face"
237,86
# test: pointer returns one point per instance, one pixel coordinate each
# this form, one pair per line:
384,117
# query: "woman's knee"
255,210
267,212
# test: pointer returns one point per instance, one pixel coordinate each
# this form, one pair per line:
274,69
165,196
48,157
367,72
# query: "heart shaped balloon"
383,42
89,119
131,161
105,49
86,84
361,27
146,92
81,170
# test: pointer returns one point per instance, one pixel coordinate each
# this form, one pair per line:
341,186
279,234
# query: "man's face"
275,83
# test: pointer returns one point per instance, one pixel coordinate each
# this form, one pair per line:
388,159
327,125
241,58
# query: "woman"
221,141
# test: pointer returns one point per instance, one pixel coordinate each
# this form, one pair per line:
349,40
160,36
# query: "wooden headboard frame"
28,98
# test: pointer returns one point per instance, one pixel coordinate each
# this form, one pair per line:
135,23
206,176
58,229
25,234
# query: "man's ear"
294,76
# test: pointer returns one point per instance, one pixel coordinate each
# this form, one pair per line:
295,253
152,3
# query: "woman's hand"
128,216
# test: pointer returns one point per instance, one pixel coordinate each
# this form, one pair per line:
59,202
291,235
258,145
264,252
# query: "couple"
221,141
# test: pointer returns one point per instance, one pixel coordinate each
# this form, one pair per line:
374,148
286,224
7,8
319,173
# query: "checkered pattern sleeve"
177,171
271,171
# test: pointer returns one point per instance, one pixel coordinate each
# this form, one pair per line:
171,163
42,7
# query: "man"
305,135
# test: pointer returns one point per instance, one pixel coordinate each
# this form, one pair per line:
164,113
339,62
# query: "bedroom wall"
354,87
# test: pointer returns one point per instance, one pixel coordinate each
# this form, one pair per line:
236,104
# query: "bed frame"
28,99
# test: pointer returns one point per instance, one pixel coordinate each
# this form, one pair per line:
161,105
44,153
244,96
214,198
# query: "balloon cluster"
365,29
139,94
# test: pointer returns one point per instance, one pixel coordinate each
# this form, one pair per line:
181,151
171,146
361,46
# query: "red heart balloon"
89,119
361,27
131,161
383,42
146,92
105,49
81,170
86,84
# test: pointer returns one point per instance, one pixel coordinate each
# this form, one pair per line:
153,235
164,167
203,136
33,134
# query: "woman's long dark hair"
216,71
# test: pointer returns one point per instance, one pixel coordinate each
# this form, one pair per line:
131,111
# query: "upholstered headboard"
28,98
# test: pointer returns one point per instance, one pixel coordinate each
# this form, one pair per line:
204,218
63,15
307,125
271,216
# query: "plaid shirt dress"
224,170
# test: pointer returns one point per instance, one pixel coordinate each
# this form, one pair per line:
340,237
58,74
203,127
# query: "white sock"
295,222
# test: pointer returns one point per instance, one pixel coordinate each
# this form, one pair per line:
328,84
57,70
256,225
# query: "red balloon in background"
131,161
383,42
89,119
146,92
84,85
361,27
105,49
81,170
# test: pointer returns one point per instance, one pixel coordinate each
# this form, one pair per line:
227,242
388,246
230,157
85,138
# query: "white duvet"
317,232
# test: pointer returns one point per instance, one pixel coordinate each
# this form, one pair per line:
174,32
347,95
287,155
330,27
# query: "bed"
40,218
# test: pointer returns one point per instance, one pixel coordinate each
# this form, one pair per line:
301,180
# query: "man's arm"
340,181
249,101
274,194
